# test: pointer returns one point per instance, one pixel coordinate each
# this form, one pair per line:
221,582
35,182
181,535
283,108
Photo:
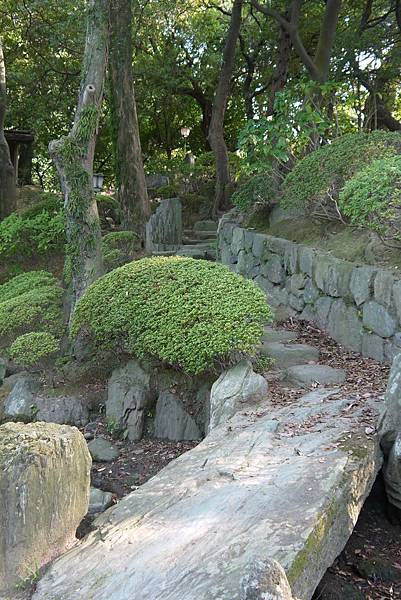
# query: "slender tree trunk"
132,191
216,131
280,74
73,157
8,191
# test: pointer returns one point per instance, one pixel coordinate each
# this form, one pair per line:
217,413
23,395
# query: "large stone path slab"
275,482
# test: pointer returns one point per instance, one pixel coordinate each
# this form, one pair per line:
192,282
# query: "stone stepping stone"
289,355
278,335
102,450
305,375
99,501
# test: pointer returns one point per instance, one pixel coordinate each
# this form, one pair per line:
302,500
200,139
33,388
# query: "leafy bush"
37,229
315,182
372,198
30,302
188,313
258,190
119,247
34,348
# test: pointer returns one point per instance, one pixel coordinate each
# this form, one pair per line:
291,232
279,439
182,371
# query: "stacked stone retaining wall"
358,305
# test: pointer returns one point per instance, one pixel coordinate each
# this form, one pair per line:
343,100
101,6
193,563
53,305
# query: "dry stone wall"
358,305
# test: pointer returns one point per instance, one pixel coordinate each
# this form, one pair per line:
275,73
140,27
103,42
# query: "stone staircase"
198,242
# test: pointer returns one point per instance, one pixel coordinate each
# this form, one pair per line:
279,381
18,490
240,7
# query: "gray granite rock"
20,404
296,283
306,259
172,422
3,369
164,228
259,245
323,306
273,269
332,275
305,375
278,296
311,293
265,580
397,298
272,334
99,501
373,346
345,326
296,302
288,355
383,288
129,394
233,389
377,319
102,450
291,258
207,225
237,241
44,490
248,492
361,284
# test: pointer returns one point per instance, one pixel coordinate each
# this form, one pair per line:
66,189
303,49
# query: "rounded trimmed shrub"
185,312
372,198
259,190
30,302
34,347
315,182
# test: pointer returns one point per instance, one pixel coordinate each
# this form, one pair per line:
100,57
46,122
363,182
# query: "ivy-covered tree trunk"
130,174
7,175
73,157
216,131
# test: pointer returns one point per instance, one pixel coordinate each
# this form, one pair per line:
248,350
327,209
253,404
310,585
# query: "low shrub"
188,313
259,190
119,247
34,348
315,182
372,199
30,302
35,230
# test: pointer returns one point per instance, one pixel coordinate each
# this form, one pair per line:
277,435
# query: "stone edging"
359,306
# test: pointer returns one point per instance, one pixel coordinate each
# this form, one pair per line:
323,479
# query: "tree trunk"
130,174
8,191
216,131
73,157
280,74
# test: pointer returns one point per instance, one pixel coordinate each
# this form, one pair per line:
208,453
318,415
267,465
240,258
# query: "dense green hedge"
38,229
31,348
315,182
259,190
30,302
185,312
372,198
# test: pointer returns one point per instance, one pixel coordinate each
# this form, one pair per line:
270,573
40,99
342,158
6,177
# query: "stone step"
205,226
266,502
305,375
194,240
289,355
278,335
198,251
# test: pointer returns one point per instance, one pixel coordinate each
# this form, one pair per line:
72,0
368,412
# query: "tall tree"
73,157
130,174
216,131
7,174
318,65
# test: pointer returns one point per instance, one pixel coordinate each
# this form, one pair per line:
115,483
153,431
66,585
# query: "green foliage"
372,198
185,312
316,180
30,302
275,139
257,190
38,229
262,363
119,247
34,347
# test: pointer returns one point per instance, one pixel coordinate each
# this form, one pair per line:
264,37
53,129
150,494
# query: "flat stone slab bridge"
258,510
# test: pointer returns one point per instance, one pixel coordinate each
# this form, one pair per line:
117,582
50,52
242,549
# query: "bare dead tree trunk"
216,131
130,174
73,157
8,192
